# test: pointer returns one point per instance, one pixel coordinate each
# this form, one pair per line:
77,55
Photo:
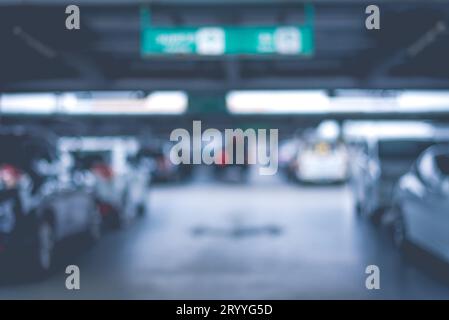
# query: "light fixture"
272,102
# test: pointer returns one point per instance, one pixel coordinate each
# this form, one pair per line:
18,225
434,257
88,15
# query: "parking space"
238,243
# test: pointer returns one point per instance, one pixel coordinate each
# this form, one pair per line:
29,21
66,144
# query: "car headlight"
7,217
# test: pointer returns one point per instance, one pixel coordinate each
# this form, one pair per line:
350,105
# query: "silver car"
39,205
421,203
376,169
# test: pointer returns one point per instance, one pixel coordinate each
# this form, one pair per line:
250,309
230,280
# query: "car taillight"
9,176
222,158
103,171
162,163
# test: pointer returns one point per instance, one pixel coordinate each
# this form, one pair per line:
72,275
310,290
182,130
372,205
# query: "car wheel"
95,224
120,220
358,209
121,212
399,232
127,211
141,210
376,216
44,249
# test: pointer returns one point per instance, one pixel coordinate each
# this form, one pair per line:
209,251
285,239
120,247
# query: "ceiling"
37,53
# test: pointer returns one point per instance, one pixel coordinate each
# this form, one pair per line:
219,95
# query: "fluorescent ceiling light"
169,102
41,103
163,102
316,101
388,129
277,101
424,100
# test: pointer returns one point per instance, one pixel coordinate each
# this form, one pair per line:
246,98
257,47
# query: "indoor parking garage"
213,149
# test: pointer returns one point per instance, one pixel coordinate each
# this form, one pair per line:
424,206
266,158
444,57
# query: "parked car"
377,166
321,160
226,161
120,188
288,151
421,203
162,169
39,206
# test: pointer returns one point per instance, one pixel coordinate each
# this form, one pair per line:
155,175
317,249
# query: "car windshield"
442,162
86,160
401,149
13,151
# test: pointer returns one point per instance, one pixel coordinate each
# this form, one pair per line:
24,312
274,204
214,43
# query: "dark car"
227,161
163,170
377,167
39,206
421,203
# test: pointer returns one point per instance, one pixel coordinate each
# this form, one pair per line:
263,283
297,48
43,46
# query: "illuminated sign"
227,40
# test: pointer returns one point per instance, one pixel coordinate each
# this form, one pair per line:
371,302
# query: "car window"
442,163
40,149
87,160
427,169
402,148
16,154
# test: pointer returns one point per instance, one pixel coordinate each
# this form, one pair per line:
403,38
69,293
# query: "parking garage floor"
264,239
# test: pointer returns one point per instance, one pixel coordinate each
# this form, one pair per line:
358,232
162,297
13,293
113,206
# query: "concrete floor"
266,239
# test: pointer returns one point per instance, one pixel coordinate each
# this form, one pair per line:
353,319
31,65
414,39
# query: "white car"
120,187
421,203
322,161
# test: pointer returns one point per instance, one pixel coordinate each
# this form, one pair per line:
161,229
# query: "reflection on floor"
264,239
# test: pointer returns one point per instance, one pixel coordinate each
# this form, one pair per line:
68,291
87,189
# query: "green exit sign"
226,40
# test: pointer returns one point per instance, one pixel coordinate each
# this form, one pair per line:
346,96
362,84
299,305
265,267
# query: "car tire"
94,228
358,209
376,216
42,253
141,210
361,209
399,231
120,217
126,212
